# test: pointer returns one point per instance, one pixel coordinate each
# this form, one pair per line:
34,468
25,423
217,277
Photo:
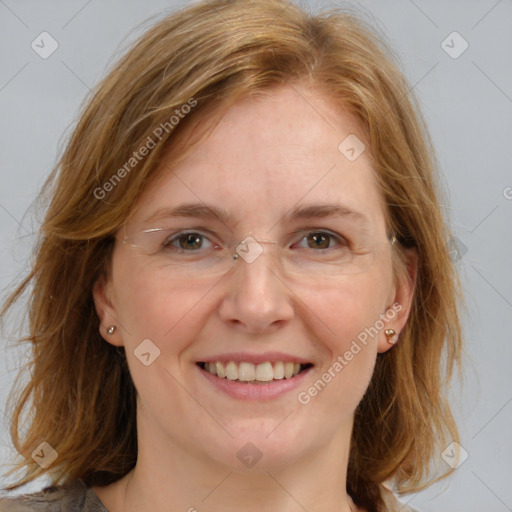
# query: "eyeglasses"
306,254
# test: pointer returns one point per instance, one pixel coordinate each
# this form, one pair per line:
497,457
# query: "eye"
188,242
320,240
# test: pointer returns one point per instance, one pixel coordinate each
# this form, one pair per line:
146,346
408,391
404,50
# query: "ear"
106,312
399,302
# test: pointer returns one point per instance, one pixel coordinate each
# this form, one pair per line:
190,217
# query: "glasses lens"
184,254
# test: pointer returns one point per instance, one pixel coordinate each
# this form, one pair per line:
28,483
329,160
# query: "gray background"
468,105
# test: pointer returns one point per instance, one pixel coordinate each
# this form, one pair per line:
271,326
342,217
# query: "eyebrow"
198,210
204,211
326,210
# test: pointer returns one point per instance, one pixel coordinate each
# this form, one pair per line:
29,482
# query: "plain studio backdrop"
457,57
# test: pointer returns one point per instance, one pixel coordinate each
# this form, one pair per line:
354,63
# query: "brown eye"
319,240
190,241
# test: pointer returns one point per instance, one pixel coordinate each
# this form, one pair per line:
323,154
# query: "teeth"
220,370
231,371
265,372
279,370
249,372
246,372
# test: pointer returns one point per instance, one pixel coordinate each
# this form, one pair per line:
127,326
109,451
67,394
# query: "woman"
242,291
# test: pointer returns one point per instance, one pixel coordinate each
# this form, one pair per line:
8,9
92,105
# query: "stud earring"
391,336
111,329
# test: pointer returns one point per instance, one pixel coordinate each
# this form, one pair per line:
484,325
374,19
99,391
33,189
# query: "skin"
267,155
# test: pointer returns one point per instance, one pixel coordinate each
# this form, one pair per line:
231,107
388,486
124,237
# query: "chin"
259,446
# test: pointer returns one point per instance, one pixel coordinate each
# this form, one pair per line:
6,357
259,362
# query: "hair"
80,393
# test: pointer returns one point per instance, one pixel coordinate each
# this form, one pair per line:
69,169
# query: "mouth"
250,373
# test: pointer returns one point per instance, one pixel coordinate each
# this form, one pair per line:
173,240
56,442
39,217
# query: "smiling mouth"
250,373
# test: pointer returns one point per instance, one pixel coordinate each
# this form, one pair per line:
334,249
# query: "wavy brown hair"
80,395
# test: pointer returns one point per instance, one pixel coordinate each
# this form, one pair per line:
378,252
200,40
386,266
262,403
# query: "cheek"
348,327
168,314
350,307
149,306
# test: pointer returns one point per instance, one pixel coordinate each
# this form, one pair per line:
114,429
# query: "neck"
167,473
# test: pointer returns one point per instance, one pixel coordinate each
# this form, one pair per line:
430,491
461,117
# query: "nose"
256,298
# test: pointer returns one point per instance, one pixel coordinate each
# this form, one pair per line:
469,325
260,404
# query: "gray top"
77,497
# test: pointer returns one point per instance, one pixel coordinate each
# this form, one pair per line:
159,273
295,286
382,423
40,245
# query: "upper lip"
239,357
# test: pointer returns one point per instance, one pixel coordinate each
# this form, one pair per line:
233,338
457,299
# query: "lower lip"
246,391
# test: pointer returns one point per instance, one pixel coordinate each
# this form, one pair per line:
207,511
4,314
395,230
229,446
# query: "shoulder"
391,502
75,497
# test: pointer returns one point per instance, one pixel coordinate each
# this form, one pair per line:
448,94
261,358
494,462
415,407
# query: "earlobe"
106,313
398,313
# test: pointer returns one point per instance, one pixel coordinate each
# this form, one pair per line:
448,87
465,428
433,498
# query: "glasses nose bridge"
251,249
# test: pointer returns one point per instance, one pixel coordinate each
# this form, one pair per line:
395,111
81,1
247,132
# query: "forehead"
268,155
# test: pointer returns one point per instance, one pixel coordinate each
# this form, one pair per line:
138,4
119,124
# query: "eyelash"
168,243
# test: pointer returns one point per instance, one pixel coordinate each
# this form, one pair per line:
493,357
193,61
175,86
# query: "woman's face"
313,285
